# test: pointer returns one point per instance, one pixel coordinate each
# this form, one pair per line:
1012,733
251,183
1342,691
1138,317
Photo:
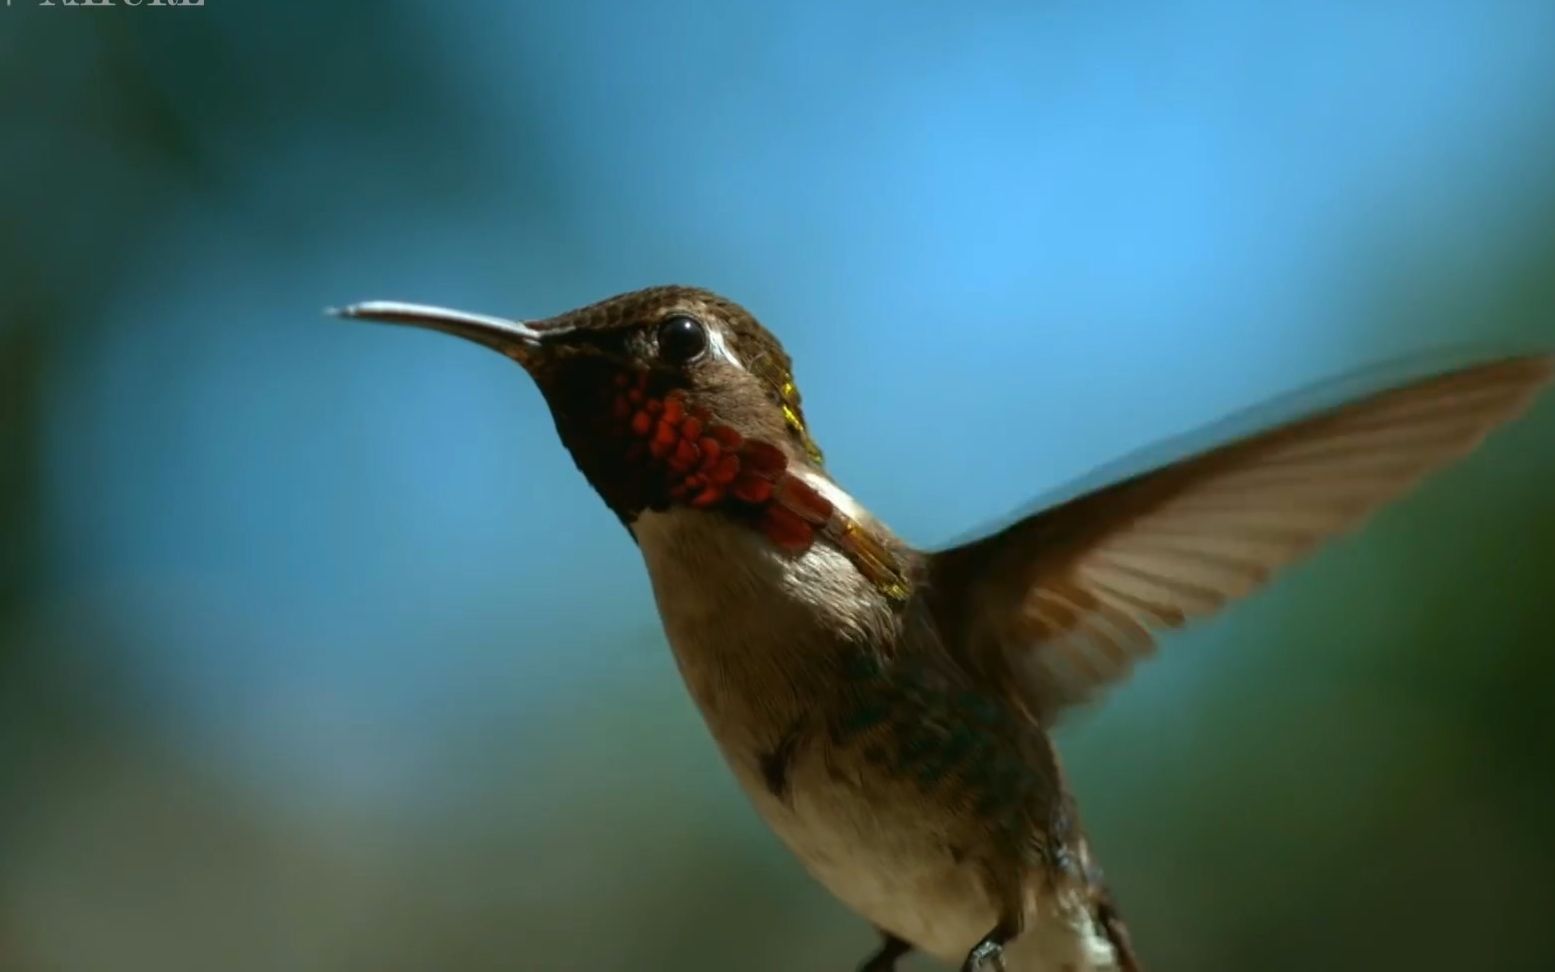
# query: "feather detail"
1063,603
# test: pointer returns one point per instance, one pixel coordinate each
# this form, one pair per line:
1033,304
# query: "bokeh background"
317,655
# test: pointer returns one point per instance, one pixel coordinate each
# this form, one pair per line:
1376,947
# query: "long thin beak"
516,339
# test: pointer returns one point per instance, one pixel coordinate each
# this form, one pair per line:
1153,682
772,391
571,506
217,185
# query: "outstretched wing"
1062,603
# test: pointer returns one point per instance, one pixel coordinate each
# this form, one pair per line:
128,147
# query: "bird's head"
666,397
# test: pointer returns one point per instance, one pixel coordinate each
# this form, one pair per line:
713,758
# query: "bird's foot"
988,954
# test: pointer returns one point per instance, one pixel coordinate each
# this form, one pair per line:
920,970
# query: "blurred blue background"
317,654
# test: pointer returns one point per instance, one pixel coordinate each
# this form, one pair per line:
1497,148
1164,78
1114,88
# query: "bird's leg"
884,960
988,954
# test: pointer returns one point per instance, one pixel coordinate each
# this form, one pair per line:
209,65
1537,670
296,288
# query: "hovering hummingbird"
888,709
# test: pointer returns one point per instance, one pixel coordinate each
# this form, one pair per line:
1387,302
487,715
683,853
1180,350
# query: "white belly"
883,860
736,612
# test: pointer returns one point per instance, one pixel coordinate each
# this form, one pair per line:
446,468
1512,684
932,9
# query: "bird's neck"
748,620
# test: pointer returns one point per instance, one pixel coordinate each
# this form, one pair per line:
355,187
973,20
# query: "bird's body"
762,640
888,709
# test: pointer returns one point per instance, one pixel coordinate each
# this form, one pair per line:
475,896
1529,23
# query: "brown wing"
1063,603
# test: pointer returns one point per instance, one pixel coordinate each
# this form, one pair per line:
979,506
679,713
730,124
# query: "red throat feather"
688,458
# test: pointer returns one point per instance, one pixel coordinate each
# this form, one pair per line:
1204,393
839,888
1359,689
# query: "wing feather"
1064,602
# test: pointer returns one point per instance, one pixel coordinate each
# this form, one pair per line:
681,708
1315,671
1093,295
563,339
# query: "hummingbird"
887,709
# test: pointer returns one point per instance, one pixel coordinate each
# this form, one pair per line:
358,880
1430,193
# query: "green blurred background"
316,654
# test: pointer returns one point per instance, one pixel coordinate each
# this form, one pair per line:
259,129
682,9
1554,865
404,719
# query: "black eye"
681,339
